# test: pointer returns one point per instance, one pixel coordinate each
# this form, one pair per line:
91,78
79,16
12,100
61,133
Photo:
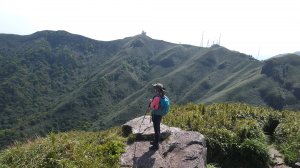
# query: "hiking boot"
153,142
154,147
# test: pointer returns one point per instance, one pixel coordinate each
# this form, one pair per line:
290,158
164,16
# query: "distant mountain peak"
297,53
138,41
285,55
51,32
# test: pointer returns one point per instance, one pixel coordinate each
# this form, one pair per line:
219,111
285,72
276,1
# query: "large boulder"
142,128
178,148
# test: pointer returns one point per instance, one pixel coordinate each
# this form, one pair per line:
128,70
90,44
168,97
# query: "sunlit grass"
72,149
235,133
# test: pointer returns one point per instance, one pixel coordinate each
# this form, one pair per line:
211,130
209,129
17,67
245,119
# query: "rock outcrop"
178,148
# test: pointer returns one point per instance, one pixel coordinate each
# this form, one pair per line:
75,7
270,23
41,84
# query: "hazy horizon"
259,28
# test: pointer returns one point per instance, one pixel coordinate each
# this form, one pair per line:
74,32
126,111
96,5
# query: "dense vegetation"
235,137
236,133
72,149
54,81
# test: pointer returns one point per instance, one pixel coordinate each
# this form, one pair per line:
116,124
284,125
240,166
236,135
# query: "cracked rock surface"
177,149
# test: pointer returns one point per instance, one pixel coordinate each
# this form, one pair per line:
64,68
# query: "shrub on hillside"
235,132
249,129
254,153
287,136
72,149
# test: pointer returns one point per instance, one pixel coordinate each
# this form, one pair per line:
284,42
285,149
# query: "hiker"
159,107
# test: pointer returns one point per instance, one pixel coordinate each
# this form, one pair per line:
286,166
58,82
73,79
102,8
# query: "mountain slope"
236,135
57,81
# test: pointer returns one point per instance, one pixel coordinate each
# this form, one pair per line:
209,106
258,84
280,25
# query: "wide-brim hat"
159,86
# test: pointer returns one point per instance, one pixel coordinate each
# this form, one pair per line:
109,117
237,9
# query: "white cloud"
270,26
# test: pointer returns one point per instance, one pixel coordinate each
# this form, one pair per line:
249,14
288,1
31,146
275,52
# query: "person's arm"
155,103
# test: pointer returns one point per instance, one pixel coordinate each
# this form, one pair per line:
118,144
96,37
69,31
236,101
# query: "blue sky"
261,28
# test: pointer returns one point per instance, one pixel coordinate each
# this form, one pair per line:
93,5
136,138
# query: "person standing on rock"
159,106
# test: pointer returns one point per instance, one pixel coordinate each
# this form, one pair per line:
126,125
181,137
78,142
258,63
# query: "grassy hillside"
57,81
40,78
72,149
284,71
237,135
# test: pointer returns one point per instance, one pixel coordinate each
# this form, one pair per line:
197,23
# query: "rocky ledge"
177,148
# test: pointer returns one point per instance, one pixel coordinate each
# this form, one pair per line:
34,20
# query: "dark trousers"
156,124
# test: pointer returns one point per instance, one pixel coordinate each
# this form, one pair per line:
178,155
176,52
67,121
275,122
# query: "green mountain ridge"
57,81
